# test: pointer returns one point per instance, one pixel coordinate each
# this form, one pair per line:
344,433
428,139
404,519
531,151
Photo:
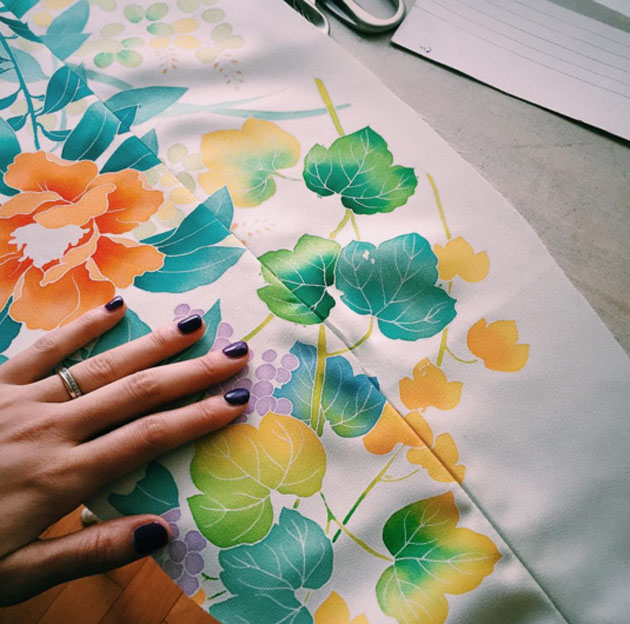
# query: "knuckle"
102,367
97,549
161,339
206,409
48,344
143,386
154,434
209,365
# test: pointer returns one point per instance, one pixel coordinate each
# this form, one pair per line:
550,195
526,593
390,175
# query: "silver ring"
70,384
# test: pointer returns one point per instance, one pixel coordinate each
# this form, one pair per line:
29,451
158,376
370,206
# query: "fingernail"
149,537
114,304
239,396
236,349
189,324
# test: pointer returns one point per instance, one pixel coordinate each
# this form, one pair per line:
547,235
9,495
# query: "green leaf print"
149,101
298,279
358,167
239,467
64,34
155,493
350,403
128,328
432,557
264,578
19,7
133,153
395,282
92,135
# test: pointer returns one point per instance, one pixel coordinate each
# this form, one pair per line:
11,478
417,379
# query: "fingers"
102,547
148,389
117,453
49,350
124,360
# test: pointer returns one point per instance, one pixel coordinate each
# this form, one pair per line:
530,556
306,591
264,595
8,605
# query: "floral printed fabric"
428,439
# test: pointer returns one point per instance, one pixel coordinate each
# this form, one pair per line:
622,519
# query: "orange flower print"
60,253
497,345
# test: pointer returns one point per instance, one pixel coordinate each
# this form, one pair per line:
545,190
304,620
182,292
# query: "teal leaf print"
7,101
17,123
358,167
350,403
127,116
150,101
55,135
298,279
9,149
133,153
221,206
28,66
20,28
63,88
128,328
64,34
192,258
263,578
156,493
9,329
19,7
432,557
395,283
92,135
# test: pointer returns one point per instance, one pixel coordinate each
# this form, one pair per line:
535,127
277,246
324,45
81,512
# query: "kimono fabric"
438,423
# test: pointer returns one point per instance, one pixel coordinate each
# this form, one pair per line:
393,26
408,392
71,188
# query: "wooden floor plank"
123,576
185,611
31,611
147,599
84,601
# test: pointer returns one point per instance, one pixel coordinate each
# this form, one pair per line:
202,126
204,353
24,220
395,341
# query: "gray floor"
569,181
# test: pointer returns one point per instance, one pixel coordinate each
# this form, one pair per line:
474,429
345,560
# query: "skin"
56,452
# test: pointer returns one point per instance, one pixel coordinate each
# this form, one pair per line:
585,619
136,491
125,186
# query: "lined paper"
533,49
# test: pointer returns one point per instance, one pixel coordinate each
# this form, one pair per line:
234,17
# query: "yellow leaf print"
459,258
497,345
438,456
389,431
247,160
334,610
429,388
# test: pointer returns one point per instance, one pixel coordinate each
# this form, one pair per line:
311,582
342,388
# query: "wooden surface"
138,593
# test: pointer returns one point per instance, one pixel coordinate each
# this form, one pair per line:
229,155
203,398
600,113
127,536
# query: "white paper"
535,50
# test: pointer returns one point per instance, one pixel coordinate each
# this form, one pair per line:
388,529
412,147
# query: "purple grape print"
185,562
261,378
183,310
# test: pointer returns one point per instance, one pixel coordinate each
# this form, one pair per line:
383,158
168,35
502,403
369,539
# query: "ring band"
68,381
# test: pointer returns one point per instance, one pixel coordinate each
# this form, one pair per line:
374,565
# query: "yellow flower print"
429,388
334,610
497,345
457,257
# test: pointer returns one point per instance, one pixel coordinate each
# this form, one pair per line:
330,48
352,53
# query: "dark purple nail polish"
149,537
189,324
239,396
114,304
236,349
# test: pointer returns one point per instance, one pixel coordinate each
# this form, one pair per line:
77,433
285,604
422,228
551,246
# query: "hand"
56,452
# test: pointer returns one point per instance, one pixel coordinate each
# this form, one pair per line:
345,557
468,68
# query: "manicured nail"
236,349
114,304
149,537
189,324
239,396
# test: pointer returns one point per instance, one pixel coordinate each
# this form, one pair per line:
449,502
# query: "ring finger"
108,366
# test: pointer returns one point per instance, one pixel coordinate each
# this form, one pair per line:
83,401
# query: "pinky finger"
115,454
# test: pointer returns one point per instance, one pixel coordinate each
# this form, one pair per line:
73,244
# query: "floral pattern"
260,510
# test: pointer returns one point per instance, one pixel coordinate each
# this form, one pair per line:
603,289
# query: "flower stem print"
323,92
259,327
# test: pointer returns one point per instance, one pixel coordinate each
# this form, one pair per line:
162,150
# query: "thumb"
99,548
